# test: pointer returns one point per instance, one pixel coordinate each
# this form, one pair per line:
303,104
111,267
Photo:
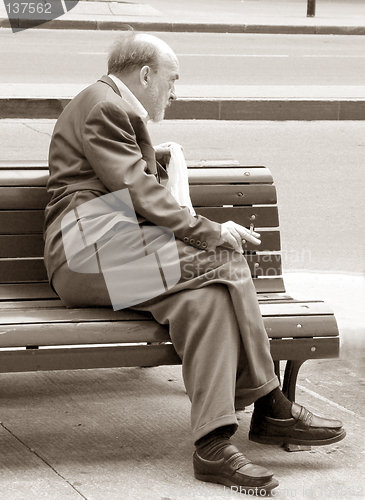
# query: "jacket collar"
106,79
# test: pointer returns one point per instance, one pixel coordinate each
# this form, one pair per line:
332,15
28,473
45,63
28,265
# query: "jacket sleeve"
111,148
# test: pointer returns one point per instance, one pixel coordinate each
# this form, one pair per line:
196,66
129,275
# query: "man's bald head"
132,51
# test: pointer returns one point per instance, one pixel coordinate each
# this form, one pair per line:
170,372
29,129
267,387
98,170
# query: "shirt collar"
130,98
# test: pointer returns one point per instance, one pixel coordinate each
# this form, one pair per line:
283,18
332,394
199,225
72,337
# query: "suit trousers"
215,325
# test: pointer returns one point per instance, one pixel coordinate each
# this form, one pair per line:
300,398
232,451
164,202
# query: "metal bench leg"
289,384
290,378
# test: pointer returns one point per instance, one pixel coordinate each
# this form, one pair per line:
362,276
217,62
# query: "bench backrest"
219,190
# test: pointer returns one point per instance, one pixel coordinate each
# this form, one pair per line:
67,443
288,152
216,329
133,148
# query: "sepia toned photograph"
182,249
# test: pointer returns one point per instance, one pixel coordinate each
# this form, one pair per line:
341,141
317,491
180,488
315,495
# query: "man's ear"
144,76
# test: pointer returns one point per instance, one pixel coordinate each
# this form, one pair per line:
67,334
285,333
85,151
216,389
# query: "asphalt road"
52,56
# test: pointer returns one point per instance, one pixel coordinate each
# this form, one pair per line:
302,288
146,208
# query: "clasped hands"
236,236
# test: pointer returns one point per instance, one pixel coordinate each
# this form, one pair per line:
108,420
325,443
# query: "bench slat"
15,246
32,221
36,291
23,177
54,312
303,349
11,177
21,221
230,175
148,355
56,303
237,194
87,358
20,198
47,331
31,164
23,164
258,216
22,270
23,198
26,291
32,245
33,269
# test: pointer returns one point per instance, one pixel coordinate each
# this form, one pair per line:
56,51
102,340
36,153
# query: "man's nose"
172,95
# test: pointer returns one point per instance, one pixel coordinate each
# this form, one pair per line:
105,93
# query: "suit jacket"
100,145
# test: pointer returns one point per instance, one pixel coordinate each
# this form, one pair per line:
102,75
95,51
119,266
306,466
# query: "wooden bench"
38,333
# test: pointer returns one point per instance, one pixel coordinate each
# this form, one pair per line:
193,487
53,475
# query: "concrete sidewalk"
226,16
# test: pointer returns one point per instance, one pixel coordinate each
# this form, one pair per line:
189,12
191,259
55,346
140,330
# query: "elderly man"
101,147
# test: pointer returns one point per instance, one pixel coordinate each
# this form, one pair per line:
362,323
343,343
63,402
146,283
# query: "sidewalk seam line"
332,403
35,130
32,450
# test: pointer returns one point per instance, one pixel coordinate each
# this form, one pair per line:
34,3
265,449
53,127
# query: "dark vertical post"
311,8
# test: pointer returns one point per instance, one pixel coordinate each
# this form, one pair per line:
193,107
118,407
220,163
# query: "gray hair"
131,52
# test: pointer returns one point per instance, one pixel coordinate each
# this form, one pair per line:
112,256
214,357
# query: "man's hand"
236,236
163,153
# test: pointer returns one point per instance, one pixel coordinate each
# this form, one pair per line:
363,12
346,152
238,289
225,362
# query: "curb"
82,24
209,109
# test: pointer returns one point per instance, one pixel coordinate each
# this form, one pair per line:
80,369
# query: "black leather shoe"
304,428
234,469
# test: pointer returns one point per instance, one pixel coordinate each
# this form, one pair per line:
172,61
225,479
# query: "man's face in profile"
162,89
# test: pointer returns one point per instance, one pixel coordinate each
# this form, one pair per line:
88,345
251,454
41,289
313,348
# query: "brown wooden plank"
295,308
95,333
63,315
86,358
31,304
287,310
21,221
310,326
258,216
28,291
23,164
214,163
42,290
23,177
32,221
31,164
302,349
28,302
38,176
144,355
22,270
20,198
269,285
83,331
32,245
265,265
230,175
273,297
33,270
238,194
32,292
15,246
23,198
